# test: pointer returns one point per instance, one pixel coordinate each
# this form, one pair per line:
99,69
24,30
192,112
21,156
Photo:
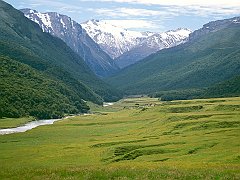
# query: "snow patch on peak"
167,39
183,32
236,21
45,19
31,11
63,24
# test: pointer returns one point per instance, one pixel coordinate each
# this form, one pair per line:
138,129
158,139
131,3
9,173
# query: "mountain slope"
27,92
23,41
226,88
205,60
75,37
152,44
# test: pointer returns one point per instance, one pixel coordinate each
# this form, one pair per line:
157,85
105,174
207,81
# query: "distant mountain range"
210,56
99,42
152,44
128,47
75,37
113,39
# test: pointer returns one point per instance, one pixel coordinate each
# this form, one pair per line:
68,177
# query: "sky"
139,15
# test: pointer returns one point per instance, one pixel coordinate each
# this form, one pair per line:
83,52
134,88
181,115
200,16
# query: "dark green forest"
26,92
228,88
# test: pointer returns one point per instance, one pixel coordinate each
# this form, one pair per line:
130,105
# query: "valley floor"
137,138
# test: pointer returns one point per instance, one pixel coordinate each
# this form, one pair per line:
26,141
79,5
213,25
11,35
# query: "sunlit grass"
133,139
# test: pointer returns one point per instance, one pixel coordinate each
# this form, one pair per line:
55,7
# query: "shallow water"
27,126
107,104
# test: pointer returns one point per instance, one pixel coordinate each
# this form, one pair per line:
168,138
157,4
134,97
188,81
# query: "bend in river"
27,126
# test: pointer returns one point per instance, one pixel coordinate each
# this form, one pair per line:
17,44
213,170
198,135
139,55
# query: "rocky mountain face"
75,37
152,44
112,39
128,47
214,26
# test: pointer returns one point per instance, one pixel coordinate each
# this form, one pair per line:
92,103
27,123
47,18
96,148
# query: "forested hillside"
23,40
40,75
27,92
228,88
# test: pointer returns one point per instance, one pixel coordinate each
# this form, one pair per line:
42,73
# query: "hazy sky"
141,15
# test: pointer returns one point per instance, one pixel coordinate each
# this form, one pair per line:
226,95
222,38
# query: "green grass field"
138,138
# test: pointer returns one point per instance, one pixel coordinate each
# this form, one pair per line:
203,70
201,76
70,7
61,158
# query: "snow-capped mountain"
99,42
128,47
152,44
75,37
167,39
112,39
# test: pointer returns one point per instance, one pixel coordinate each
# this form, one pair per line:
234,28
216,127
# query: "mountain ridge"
112,39
213,26
75,37
152,44
103,46
127,47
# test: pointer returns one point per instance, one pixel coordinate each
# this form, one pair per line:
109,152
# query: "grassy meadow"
136,138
